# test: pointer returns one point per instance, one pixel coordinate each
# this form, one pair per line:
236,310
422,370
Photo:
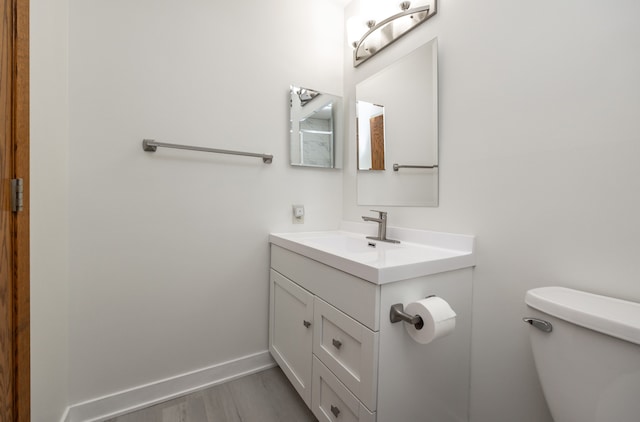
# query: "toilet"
586,349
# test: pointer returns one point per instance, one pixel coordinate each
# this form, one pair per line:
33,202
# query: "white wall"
49,208
539,147
168,251
538,155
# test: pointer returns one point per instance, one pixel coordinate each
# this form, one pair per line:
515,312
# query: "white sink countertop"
419,253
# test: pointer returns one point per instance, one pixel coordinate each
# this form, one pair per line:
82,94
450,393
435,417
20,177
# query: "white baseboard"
126,401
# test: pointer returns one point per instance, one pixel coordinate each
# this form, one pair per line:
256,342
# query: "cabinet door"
290,332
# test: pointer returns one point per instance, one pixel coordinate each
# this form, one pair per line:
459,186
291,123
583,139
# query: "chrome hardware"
17,195
306,323
540,324
150,145
335,411
336,343
397,314
365,48
397,167
382,227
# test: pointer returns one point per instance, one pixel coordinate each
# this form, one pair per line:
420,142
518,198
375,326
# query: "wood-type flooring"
266,396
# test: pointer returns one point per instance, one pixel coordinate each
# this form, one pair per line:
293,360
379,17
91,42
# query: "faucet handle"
382,214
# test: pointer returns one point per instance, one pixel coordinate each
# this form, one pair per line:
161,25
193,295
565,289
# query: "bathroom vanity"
330,331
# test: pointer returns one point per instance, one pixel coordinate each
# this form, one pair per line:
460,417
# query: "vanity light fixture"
378,35
306,95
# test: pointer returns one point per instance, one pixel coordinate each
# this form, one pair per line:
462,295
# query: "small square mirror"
314,128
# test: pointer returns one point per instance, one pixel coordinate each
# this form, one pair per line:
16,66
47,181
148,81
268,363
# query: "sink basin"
348,243
418,254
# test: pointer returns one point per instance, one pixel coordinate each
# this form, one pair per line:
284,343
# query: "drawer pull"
306,323
336,343
335,411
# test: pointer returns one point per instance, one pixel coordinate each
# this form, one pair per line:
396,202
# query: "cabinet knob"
306,323
335,411
336,343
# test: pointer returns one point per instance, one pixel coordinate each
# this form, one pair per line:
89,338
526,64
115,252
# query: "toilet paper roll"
438,317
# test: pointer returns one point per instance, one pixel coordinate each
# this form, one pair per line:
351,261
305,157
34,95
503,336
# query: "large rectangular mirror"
397,132
315,129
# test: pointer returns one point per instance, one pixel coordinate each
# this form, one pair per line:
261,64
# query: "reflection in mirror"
408,89
370,135
313,120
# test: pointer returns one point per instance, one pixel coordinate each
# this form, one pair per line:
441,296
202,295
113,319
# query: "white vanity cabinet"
331,335
303,325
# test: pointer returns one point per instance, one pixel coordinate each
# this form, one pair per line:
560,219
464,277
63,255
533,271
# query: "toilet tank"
589,364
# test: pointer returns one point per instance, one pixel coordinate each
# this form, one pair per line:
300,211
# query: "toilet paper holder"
397,314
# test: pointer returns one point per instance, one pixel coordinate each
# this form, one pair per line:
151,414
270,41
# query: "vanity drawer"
331,401
357,297
348,349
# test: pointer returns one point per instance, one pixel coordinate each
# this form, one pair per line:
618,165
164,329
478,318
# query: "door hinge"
17,189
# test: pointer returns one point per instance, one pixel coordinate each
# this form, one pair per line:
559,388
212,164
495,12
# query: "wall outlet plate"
298,214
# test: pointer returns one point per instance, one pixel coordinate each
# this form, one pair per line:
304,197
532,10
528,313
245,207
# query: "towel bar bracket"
146,146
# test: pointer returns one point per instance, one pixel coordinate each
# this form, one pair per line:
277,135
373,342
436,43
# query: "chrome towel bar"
150,145
397,167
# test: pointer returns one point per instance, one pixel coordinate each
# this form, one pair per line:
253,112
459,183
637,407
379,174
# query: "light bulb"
356,28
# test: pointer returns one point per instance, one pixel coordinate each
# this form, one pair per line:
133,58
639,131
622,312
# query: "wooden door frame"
23,291
17,292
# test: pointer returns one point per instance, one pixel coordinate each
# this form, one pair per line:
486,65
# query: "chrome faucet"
382,227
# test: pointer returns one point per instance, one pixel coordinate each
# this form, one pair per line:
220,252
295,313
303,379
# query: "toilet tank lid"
615,317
